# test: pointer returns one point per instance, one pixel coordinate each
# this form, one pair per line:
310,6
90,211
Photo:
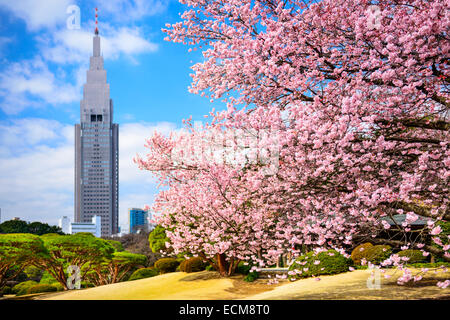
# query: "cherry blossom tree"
357,93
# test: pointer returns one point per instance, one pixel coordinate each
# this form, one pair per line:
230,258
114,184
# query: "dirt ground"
209,286
172,286
354,286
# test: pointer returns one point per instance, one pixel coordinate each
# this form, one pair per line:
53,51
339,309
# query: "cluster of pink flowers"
360,113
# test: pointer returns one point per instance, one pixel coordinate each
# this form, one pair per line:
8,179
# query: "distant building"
64,224
97,150
93,227
139,220
414,234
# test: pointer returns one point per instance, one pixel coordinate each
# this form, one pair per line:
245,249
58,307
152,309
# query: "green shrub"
22,288
143,273
431,265
86,284
180,258
42,288
359,267
157,239
6,290
47,278
414,256
330,262
359,252
193,265
117,245
377,254
243,268
58,286
165,265
209,268
251,276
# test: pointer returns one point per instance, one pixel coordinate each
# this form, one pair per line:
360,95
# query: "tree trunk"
222,264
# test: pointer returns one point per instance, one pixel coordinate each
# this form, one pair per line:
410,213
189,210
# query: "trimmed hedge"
166,265
323,263
415,256
374,254
58,286
6,290
143,273
42,288
377,254
359,252
194,264
251,276
22,288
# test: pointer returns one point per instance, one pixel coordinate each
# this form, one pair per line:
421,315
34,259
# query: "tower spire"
96,21
96,52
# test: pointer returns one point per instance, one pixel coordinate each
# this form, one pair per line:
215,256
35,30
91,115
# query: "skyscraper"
138,220
96,150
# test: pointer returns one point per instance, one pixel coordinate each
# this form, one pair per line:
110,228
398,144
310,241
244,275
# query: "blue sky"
42,69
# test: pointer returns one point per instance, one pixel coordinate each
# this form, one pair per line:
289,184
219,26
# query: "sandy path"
208,286
165,287
353,285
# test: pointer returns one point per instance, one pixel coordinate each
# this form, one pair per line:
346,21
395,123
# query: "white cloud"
28,132
38,14
37,169
30,83
23,84
74,46
132,138
137,188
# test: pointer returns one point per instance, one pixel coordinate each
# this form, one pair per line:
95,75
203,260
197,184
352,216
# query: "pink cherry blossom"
436,230
350,120
443,284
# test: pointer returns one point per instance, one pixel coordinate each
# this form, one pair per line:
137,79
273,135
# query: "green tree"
40,228
14,226
18,251
116,244
19,226
81,250
157,239
115,269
